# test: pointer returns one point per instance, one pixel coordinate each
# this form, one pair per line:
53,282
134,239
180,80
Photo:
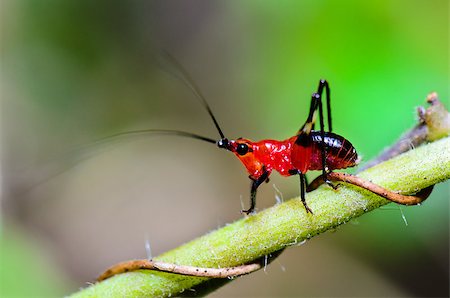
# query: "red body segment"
286,157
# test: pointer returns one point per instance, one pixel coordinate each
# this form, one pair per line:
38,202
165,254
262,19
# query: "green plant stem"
282,225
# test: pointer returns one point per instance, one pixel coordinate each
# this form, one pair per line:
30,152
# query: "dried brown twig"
376,189
228,272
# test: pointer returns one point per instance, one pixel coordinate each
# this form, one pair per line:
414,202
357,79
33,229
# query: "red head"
246,151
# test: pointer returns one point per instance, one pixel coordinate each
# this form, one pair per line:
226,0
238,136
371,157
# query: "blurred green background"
75,71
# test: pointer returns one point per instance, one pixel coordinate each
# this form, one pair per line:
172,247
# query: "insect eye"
242,149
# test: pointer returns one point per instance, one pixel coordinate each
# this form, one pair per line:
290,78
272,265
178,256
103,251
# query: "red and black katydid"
309,149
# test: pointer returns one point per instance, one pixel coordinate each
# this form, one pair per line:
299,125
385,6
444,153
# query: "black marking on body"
303,139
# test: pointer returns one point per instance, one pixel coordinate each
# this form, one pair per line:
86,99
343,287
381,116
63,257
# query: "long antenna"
76,156
158,132
182,75
186,79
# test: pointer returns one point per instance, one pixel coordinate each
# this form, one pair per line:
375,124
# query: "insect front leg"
254,186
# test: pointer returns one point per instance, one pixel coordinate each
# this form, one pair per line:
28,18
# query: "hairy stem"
282,225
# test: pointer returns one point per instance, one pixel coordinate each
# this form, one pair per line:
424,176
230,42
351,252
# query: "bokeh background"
75,71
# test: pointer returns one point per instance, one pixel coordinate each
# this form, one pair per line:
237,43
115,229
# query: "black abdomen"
340,153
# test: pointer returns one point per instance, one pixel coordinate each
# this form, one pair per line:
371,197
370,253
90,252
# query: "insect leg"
316,103
305,130
255,184
323,84
303,192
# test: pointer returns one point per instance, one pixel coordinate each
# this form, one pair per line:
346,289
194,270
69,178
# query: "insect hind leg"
316,104
323,85
305,131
